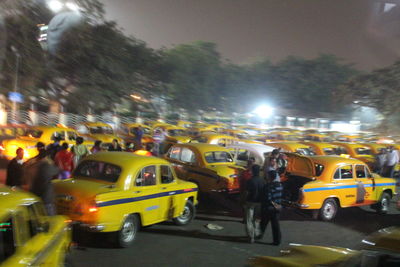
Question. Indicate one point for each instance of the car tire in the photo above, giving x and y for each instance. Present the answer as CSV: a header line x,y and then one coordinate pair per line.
x,y
127,235
187,215
328,210
382,207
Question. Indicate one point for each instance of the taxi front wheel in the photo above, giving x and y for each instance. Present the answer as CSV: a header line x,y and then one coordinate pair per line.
x,y
129,229
187,215
328,210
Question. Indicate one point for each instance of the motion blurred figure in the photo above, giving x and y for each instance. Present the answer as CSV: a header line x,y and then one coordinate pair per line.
x,y
79,150
15,170
64,160
97,147
115,146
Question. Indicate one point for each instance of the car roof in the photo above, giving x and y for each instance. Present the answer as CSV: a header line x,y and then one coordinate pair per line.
x,y
54,128
335,160
124,158
351,145
202,147
320,144
257,147
11,198
97,124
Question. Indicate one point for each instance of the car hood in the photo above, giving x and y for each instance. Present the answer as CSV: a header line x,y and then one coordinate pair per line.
x,y
300,165
303,255
225,170
81,188
387,239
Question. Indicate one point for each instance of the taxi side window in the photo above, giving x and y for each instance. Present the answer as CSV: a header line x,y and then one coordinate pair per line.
x,y
344,172
243,154
33,221
187,155
174,153
166,174
71,135
7,239
360,171
147,176
342,150
60,135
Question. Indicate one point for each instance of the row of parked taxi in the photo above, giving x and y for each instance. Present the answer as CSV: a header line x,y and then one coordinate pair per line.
x,y
117,192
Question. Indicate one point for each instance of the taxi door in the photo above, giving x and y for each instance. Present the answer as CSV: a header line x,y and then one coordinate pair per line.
x,y
345,185
34,237
173,156
146,192
365,185
168,191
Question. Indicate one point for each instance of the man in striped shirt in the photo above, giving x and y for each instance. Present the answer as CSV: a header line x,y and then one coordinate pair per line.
x,y
271,206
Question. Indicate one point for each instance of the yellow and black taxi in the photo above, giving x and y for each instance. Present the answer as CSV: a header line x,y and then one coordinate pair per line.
x,y
326,183
44,134
321,149
211,167
118,191
216,139
376,148
317,137
357,151
294,147
99,131
28,237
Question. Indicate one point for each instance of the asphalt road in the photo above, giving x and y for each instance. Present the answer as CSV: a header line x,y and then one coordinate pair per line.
x,y
194,245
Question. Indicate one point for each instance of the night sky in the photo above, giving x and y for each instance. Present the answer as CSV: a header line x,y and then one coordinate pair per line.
x,y
247,30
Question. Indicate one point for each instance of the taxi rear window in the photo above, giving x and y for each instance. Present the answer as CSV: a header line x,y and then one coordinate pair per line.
x,y
98,170
319,169
218,156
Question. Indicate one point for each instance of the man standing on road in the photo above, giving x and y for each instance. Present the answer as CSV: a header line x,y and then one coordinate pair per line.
x,y
271,206
392,158
253,196
15,170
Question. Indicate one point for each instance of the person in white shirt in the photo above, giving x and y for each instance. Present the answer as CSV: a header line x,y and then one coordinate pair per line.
x,y
392,158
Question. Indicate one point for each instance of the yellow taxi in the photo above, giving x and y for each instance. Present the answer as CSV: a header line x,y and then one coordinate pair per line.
x,y
99,131
241,136
216,139
211,167
348,138
293,147
118,192
280,137
376,148
315,137
174,135
319,148
387,239
128,132
357,151
44,134
185,124
28,236
325,183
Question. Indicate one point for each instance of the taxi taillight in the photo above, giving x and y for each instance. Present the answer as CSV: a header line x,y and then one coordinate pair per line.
x,y
93,209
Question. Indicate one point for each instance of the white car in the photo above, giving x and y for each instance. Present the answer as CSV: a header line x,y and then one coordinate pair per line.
x,y
244,151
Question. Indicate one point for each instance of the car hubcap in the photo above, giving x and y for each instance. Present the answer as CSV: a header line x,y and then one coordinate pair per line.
x,y
185,214
329,210
128,231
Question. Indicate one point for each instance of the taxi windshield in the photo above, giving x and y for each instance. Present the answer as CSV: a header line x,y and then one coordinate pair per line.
x,y
33,133
177,132
331,151
218,157
363,151
98,170
101,130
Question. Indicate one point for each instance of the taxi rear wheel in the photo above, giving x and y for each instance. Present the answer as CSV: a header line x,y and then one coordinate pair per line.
x,y
328,210
129,229
382,206
187,215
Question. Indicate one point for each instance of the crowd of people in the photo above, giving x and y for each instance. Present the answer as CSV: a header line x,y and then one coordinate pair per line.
x,y
386,161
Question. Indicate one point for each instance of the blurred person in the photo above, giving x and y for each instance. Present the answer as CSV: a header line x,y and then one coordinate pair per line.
x,y
15,169
64,160
253,196
115,146
271,207
380,160
271,165
97,147
244,176
79,150
130,147
137,139
159,138
146,151
54,147
392,159
41,184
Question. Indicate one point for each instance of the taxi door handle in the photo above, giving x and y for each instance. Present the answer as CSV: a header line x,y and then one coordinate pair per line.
x,y
137,192
163,188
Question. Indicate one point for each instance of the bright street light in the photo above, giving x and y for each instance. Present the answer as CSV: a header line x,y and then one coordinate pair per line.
x,y
55,5
72,6
264,111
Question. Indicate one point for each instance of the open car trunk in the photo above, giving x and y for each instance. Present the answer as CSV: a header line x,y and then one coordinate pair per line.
x,y
300,170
